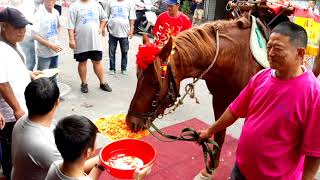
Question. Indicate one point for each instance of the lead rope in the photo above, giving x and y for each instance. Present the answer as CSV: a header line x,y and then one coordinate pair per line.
x,y
189,134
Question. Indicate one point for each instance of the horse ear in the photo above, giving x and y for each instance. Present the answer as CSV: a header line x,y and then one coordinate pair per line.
x,y
145,39
166,50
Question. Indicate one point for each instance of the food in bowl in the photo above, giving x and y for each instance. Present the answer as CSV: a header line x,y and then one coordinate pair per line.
x,y
122,161
140,153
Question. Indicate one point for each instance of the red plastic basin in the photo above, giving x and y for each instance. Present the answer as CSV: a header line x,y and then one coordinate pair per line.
x,y
130,147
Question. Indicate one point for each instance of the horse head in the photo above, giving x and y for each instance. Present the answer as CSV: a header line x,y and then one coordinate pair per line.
x,y
156,88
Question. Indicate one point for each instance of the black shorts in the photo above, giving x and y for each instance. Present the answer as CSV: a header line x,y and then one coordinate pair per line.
x,y
93,55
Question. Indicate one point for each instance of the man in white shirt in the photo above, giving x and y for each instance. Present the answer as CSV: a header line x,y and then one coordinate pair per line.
x,y
14,77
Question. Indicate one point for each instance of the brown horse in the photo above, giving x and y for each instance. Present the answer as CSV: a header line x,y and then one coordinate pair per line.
x,y
194,51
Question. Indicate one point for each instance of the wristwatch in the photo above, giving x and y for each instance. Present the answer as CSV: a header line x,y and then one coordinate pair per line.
x,y
100,167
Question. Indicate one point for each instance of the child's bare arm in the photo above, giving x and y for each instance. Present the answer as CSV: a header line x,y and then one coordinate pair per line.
x,y
47,43
96,172
89,164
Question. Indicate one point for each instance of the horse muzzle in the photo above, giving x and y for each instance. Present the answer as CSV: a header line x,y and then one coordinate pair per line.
x,y
135,123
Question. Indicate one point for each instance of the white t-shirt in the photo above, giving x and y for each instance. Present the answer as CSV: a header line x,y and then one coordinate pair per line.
x,y
14,71
46,25
119,14
33,150
58,3
84,18
54,173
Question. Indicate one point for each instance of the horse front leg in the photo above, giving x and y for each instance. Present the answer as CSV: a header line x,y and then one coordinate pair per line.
x,y
218,108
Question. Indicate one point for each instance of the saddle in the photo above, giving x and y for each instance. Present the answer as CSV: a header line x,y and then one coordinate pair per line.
x,y
258,42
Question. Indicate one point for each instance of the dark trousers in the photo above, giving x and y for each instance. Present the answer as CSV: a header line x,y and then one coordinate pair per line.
x,y
124,45
236,173
5,140
139,19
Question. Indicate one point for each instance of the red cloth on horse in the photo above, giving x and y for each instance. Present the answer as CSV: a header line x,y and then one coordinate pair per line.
x,y
183,160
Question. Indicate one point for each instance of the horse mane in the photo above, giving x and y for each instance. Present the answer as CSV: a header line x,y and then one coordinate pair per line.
x,y
201,41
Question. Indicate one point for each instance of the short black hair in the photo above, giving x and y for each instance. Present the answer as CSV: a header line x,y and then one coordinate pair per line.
x,y
41,95
297,34
73,135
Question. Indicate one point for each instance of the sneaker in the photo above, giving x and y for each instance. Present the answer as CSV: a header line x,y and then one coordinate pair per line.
x,y
84,88
105,87
112,72
203,175
124,72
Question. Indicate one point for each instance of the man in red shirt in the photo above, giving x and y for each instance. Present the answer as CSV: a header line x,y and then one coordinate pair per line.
x,y
170,23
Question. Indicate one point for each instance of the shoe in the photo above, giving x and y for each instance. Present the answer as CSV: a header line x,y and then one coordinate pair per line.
x,y
105,87
84,88
203,175
142,29
112,72
124,72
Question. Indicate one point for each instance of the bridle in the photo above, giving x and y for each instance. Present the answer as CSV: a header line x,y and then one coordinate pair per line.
x,y
157,102
187,134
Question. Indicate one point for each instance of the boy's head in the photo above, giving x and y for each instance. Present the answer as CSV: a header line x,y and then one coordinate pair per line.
x,y
173,7
75,137
49,4
42,96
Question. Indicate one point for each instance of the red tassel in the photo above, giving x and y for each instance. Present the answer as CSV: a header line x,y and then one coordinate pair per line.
x,y
146,55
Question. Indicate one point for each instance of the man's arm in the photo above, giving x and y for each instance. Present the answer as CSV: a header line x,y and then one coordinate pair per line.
x,y
72,42
222,123
311,166
8,95
2,121
131,28
102,28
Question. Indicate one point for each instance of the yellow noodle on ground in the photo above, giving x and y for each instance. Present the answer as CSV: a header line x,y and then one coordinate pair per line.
x,y
115,128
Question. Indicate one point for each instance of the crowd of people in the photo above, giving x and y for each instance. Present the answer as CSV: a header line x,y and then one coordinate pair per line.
x,y
279,135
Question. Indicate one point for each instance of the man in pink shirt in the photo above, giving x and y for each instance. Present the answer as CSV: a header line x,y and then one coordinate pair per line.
x,y
281,106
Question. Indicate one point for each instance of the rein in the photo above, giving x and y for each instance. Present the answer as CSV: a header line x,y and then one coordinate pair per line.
x,y
187,134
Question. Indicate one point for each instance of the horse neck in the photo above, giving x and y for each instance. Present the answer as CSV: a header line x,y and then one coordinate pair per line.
x,y
233,54
191,70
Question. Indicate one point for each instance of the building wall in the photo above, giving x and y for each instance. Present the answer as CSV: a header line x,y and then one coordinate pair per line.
x,y
210,9
215,9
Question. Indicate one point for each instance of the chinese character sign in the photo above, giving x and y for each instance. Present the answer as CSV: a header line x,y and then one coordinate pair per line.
x,y
311,23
